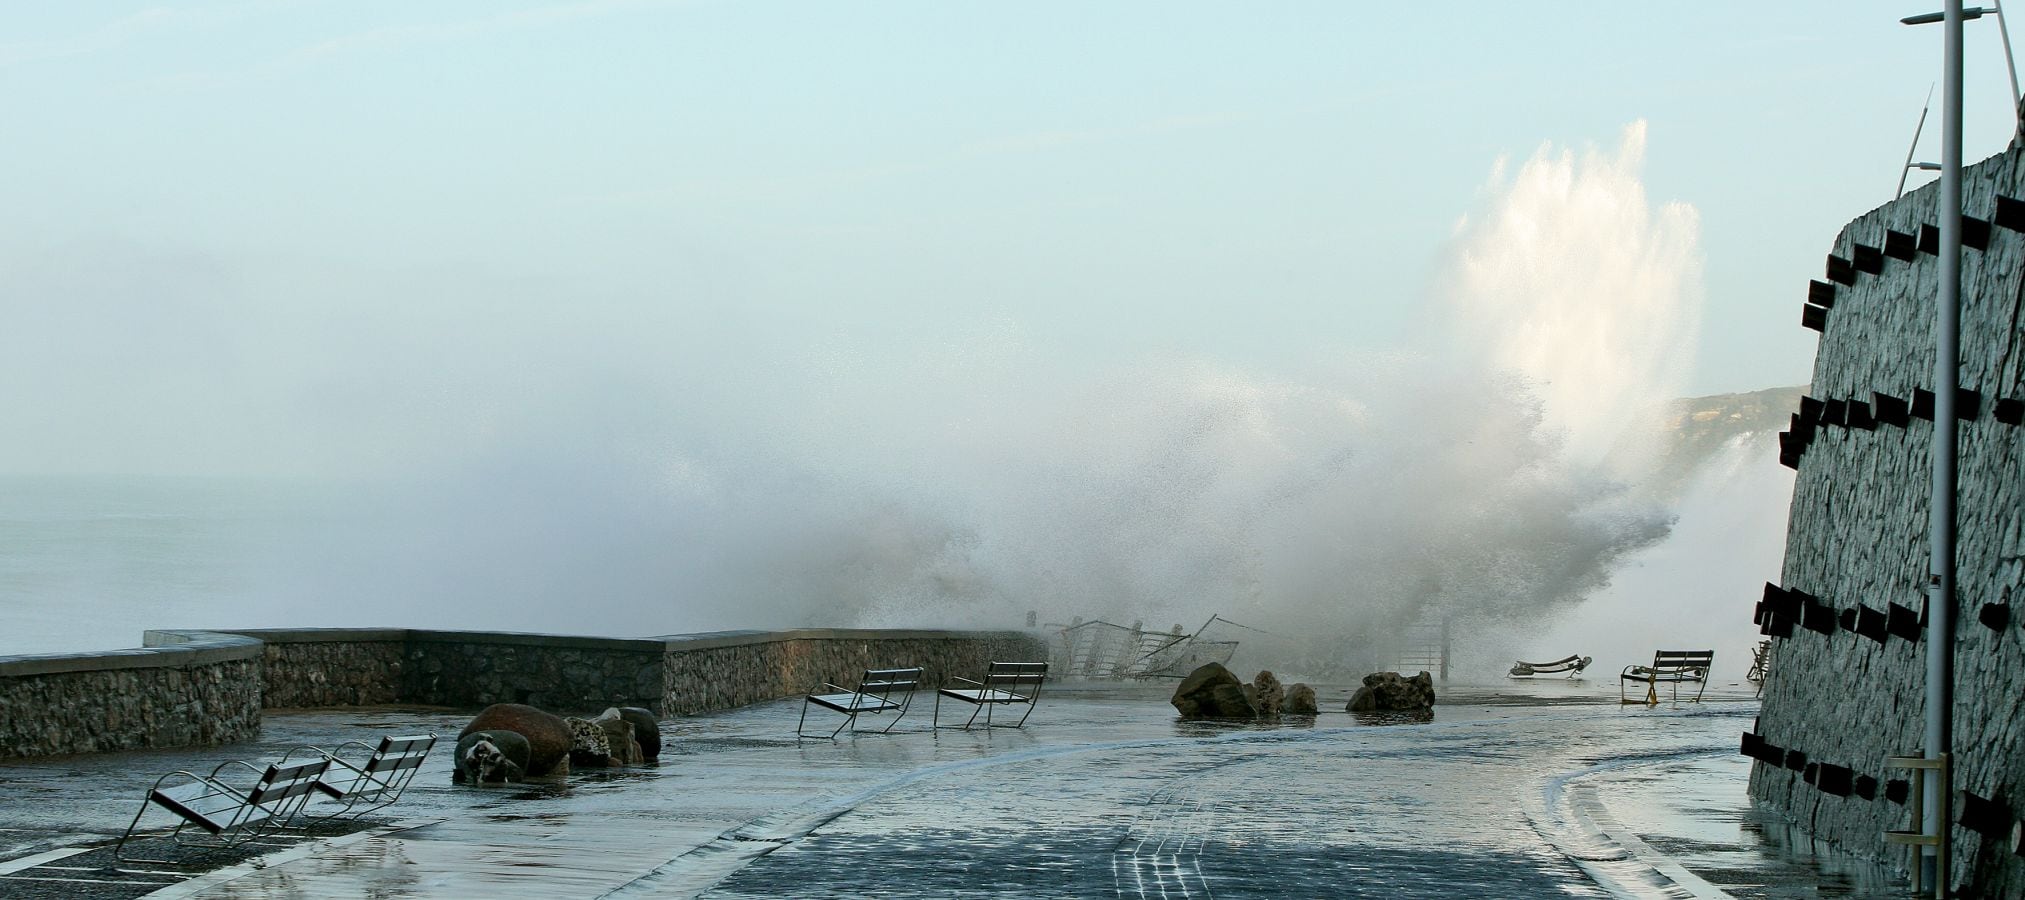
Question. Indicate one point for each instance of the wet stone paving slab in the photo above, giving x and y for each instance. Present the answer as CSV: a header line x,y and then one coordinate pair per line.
x,y
1533,790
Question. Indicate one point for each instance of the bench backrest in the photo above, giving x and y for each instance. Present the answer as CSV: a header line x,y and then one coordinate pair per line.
x,y
399,754
884,683
1022,678
285,781
1682,660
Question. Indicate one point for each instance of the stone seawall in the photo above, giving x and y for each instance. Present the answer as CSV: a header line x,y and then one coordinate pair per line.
x,y
199,690
319,667
194,688
1848,674
560,674
724,671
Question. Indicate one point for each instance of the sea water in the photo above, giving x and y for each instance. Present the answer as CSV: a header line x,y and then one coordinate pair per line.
x,y
89,562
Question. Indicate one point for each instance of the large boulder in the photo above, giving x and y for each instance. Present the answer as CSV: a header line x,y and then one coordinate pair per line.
x,y
548,736
1212,692
1300,701
1393,692
490,757
1267,694
646,730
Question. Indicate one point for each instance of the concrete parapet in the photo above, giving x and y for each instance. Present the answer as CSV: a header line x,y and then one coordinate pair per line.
x,y
189,688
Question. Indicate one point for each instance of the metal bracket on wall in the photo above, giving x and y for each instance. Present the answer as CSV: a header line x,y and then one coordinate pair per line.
x,y
1916,804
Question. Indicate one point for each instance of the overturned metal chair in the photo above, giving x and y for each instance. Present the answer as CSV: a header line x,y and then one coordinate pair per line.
x,y
1674,666
1572,666
375,781
232,816
880,691
1004,684
1761,665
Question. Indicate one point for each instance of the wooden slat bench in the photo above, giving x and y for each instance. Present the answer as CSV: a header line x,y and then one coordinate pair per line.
x,y
1572,666
879,691
1004,683
1672,666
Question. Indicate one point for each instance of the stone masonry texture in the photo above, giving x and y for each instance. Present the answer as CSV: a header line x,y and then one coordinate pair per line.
x,y
129,709
1858,535
202,688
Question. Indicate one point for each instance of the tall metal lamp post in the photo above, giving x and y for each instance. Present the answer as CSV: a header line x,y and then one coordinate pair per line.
x,y
1941,508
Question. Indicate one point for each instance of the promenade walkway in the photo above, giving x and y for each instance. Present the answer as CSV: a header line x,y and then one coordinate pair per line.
x,y
1533,790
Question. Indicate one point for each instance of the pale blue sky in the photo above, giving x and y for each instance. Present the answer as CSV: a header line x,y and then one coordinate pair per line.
x,y
1247,183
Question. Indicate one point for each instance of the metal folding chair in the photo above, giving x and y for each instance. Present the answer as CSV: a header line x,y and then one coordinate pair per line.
x,y
375,781
232,816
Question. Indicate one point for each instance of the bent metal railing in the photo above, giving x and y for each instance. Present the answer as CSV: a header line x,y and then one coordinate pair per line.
x,y
1104,650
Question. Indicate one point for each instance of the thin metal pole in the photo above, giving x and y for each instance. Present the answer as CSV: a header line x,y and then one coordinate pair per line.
x,y
2004,29
1941,524
1444,647
1909,151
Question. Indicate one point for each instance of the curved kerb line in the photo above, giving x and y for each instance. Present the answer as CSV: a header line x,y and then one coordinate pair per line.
x,y
702,868
1585,832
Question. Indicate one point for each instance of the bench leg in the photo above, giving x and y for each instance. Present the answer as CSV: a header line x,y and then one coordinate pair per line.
x,y
897,717
117,848
175,837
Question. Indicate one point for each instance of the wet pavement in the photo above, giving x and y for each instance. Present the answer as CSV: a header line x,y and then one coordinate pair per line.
x,y
1533,789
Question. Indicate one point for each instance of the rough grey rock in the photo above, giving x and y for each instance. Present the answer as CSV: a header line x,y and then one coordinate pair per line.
x,y
624,746
588,745
490,757
1391,692
1267,694
646,730
1300,701
1212,692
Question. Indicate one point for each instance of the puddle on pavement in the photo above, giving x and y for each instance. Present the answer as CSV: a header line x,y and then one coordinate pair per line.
x,y
1104,793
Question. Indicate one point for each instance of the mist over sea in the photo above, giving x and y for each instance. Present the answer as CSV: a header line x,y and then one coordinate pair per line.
x,y
465,461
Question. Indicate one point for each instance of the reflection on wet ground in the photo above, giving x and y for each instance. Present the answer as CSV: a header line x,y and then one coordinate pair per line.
x,y
1543,789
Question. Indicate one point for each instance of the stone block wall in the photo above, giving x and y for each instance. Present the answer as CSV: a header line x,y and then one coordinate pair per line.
x,y
564,675
1850,690
322,667
192,693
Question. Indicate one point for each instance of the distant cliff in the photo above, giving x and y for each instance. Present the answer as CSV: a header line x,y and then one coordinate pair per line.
x,y
1694,430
